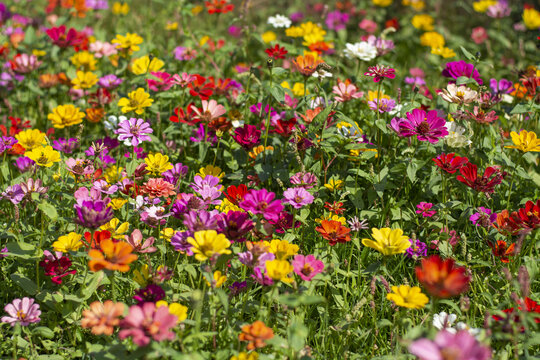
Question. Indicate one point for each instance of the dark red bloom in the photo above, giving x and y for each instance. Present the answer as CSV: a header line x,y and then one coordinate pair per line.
x,y
276,52
491,178
502,250
284,222
528,306
150,293
218,6
62,39
56,265
285,127
200,88
393,22
189,116
442,278
247,136
235,194
449,162
529,216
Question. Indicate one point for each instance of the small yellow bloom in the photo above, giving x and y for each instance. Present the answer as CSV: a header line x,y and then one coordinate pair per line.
x,y
197,9
69,242
44,156
259,150
252,355
167,234
268,36
294,31
65,115
204,40
415,4
482,5
219,279
136,101
117,203
38,52
531,18
388,241
142,276
84,60
84,80
422,22
432,39
409,297
176,309
298,89
382,3
334,217
31,138
444,52
282,249
157,163
334,185
119,8
171,25
211,170
374,95
208,243
144,65
526,141
227,206
116,229
279,270
114,174
130,42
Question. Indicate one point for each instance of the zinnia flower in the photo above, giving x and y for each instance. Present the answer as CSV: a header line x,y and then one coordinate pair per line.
x,y
307,266
56,266
450,162
442,278
262,202
525,141
424,209
134,131
379,72
460,345
388,241
427,126
334,232
157,163
136,101
102,318
256,334
298,197
460,68
147,322
307,64
208,244
22,311
409,297
65,115
112,256
486,183
43,156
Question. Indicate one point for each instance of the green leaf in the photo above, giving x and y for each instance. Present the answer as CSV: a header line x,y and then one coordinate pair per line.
x,y
468,54
48,210
278,71
297,333
44,332
91,285
520,109
25,283
278,93
22,250
411,171
4,168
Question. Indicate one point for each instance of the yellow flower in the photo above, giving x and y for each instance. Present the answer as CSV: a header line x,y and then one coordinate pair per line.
x,y
227,206
334,185
415,4
526,141
208,243
211,170
144,65
130,42
259,150
246,356
482,5
119,8
142,276
176,309
84,80
114,174
279,270
294,31
312,33
268,36
65,115
117,203
432,39
136,101
531,18
444,52
84,60
298,89
218,280
422,22
167,234
197,9
334,217
31,139
44,156
382,3
388,241
69,242
38,52
409,297
116,229
171,25
374,95
157,163
281,248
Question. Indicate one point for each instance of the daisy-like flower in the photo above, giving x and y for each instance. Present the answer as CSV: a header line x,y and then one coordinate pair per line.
x,y
145,322
486,183
65,115
427,126
298,197
157,163
262,202
334,232
134,131
208,243
136,101
442,278
379,72
360,50
112,256
183,79
279,21
460,345
44,156
444,321
307,266
456,135
388,241
22,311
276,52
450,162
525,141
409,297
129,42
31,138
307,64
424,209
346,91
458,94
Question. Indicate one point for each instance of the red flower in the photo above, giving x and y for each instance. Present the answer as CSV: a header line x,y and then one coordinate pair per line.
x,y
529,216
56,266
379,72
486,183
449,162
185,117
218,6
199,87
62,39
335,207
505,224
276,52
502,250
442,278
236,194
334,232
94,241
529,306
393,22
285,128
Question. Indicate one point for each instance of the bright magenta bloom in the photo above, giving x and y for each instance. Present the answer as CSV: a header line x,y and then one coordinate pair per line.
x,y
307,266
427,126
379,72
145,322
262,202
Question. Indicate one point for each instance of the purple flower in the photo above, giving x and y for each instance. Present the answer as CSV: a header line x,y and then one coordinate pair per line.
x,y
296,16
200,135
416,81
395,125
385,105
427,126
305,180
484,217
24,164
67,146
179,241
185,202
13,193
460,345
423,208
176,173
104,187
6,143
284,222
234,225
383,46
154,215
502,86
135,131
237,288
262,202
93,213
182,53
456,69
110,82
235,31
22,311
298,197
336,20
260,277
417,249
200,220
5,14
151,293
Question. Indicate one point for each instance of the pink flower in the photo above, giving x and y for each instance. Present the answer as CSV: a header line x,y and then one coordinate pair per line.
x,y
262,202
184,79
423,208
145,322
460,345
346,92
210,110
136,241
368,26
102,49
427,126
22,311
298,197
307,266
162,81
479,35
379,72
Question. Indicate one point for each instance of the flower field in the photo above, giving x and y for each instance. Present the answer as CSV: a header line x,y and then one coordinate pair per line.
x,y
262,179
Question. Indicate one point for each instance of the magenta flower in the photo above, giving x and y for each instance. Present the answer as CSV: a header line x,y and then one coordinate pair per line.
x,y
151,293
307,266
298,197
379,72
427,126
423,208
145,322
416,250
110,81
460,345
395,126
262,202
235,225
22,311
161,81
134,130
460,68
13,193
385,105
336,20
247,136
484,217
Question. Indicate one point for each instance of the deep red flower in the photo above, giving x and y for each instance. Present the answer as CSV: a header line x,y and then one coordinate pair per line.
x,y
442,278
276,52
334,232
529,216
189,116
247,136
449,162
285,127
491,178
218,6
393,22
93,241
200,88
528,305
63,39
502,250
235,194
56,265
335,207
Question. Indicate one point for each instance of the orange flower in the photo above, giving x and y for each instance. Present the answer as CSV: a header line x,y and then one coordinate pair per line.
x,y
334,232
307,64
505,224
502,250
95,114
442,278
310,114
113,256
256,333
102,318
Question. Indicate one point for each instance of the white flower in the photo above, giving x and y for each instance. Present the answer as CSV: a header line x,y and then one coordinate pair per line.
x,y
361,50
237,123
322,74
458,94
456,137
507,98
444,321
462,326
279,21
317,102
396,110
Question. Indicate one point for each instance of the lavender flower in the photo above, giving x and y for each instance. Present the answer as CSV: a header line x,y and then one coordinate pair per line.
x,y
357,225
14,194
417,249
134,131
305,180
201,220
336,20
110,81
22,311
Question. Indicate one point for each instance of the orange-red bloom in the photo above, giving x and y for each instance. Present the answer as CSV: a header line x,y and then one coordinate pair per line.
x,y
256,334
307,64
502,250
113,256
334,232
442,278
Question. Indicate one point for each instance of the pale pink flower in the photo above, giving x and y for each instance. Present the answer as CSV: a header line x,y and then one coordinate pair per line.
x,y
346,92
183,80
210,110
102,49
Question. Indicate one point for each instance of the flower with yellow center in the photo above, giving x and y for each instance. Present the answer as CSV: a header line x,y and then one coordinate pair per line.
x,y
114,174
142,276
268,37
136,101
176,309
157,163
167,234
432,39
31,138
128,43
382,3
388,241
252,355
281,248
482,5
69,242
279,270
84,60
119,8
227,206
526,141
84,80
117,203
334,184
65,115
218,279
531,18
116,229
144,65
43,156
409,297
422,22
443,51
208,243
374,95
